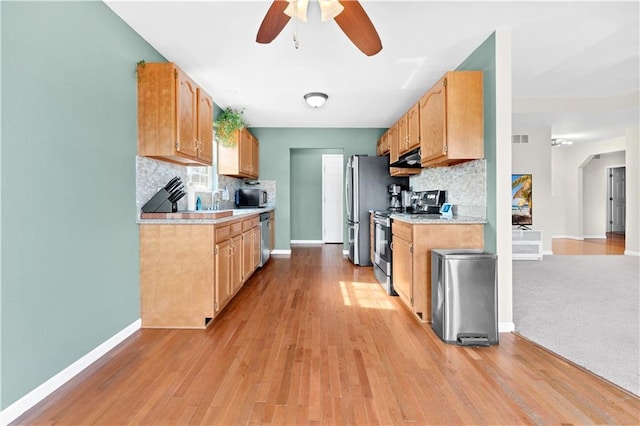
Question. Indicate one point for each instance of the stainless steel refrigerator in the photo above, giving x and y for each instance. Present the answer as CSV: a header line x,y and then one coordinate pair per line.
x,y
366,188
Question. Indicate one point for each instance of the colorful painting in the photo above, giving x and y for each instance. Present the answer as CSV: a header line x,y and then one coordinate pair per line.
x,y
521,200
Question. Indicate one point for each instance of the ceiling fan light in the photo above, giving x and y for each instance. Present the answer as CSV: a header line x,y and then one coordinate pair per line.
x,y
297,9
315,99
330,9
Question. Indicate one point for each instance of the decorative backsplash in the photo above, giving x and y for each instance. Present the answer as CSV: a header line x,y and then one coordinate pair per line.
x,y
466,186
151,175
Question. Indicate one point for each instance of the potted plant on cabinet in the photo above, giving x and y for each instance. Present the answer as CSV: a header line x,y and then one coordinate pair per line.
x,y
226,125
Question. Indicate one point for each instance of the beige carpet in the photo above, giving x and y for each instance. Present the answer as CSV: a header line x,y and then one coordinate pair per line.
x,y
584,308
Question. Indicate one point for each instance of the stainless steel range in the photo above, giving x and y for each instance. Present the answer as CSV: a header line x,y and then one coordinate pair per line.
x,y
382,260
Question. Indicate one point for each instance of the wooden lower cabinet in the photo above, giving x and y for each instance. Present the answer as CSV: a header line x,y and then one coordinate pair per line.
x,y
190,272
222,283
176,275
412,245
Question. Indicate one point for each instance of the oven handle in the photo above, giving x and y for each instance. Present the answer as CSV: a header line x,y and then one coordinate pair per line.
x,y
382,221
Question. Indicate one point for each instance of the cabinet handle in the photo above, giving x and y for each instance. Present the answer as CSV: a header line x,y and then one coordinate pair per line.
x,y
391,245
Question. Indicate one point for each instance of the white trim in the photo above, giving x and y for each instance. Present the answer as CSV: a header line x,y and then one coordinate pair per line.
x,y
547,253
631,253
345,252
19,407
603,237
306,242
571,237
506,327
277,252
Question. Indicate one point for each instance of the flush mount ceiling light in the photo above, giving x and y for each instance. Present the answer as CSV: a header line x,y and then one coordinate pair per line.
x,y
315,99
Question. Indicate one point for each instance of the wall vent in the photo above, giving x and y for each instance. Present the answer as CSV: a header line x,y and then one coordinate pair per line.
x,y
520,139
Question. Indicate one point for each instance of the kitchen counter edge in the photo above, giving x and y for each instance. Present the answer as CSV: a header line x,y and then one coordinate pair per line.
x,y
417,219
250,212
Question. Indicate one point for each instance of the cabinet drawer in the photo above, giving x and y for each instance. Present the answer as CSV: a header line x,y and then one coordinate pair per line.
x,y
223,232
236,228
402,230
250,223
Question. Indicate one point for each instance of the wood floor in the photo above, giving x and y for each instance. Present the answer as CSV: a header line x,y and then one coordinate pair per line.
x,y
311,339
613,244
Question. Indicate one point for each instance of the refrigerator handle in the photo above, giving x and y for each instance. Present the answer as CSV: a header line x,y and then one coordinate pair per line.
x,y
347,196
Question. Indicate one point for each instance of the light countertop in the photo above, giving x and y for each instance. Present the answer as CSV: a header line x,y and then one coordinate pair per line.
x,y
237,214
436,219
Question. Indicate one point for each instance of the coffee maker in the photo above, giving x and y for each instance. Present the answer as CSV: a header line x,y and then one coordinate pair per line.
x,y
395,204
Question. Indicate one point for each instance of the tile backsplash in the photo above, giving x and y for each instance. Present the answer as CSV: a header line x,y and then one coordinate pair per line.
x,y
466,186
152,175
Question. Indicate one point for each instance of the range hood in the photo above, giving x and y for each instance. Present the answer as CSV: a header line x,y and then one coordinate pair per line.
x,y
409,160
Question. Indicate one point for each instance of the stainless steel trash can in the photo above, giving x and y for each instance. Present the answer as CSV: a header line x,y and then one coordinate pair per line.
x,y
464,296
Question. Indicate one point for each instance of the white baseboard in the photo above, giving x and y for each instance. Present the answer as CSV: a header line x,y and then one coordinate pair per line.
x,y
19,407
547,252
345,252
603,237
506,327
293,242
281,252
571,237
631,253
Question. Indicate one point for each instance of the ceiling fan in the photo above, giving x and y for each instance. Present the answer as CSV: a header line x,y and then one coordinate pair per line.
x,y
348,14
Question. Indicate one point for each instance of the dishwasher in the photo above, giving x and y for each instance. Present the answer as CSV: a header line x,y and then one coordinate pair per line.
x,y
464,296
265,238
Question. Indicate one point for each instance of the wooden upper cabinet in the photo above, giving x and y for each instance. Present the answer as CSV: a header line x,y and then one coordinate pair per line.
x,y
175,116
205,127
413,127
242,159
382,148
187,120
452,120
394,154
403,135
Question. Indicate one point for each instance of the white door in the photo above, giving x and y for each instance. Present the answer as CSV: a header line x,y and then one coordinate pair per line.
x,y
617,199
332,195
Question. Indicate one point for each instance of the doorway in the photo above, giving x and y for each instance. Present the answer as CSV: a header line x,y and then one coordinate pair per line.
x,y
332,196
616,204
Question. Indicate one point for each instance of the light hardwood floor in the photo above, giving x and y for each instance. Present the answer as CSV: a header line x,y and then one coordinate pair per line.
x,y
613,244
311,339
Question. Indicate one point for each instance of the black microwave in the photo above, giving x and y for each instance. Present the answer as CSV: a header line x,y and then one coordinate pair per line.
x,y
251,197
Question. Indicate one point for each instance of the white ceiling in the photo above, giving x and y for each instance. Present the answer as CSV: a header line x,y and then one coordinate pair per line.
x,y
575,64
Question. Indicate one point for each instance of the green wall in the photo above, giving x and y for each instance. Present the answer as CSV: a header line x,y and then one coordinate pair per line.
x,y
306,192
69,239
275,162
484,58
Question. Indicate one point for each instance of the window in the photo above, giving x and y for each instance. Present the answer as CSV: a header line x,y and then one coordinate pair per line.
x,y
204,178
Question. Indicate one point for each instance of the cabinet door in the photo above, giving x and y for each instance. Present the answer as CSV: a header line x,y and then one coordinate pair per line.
x,y
205,127
236,263
245,153
272,231
403,135
433,141
257,252
413,127
394,147
247,253
254,167
186,108
402,269
223,253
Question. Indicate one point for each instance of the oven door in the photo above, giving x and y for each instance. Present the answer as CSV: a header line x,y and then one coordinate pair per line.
x,y
382,241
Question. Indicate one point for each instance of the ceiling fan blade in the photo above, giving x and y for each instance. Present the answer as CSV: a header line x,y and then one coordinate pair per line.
x,y
273,23
355,23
